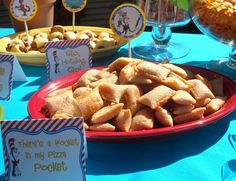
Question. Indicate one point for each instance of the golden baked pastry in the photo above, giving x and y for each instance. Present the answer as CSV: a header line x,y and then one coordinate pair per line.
x,y
161,95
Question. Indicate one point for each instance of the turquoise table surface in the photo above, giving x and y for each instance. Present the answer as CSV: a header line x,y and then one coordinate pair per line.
x,y
198,155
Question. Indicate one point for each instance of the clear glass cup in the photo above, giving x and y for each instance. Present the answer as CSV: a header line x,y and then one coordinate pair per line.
x,y
217,19
162,15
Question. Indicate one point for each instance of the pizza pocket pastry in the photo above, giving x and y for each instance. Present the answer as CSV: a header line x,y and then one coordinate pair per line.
x,y
175,83
153,71
68,108
112,93
87,78
86,105
195,114
199,90
80,91
131,95
142,120
214,105
163,117
178,70
123,120
204,80
55,99
104,127
104,73
183,97
112,78
129,74
139,79
157,97
202,102
121,62
106,113
181,108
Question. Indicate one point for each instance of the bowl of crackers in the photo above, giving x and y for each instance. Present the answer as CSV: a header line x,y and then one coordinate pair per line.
x,y
216,18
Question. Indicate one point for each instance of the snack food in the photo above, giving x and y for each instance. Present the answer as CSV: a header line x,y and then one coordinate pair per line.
x,y
217,16
35,43
131,107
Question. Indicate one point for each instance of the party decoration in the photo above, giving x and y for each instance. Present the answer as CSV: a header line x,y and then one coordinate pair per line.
x,y
74,6
128,21
23,10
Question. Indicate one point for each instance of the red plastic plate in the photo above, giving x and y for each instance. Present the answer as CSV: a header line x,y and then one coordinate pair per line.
x,y
37,101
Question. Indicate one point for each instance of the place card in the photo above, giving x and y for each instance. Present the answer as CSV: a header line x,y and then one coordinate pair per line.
x,y
6,76
44,149
66,57
10,70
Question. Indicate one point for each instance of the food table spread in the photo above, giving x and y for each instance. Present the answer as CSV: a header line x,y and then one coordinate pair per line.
x,y
196,155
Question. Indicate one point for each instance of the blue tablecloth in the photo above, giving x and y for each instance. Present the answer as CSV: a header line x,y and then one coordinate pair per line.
x,y
198,155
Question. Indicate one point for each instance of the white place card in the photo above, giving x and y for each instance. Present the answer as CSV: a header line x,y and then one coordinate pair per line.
x,y
10,70
44,149
66,57
6,76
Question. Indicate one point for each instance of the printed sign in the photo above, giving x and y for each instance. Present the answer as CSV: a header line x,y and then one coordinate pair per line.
x,y
128,21
49,149
6,76
65,57
23,10
74,5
